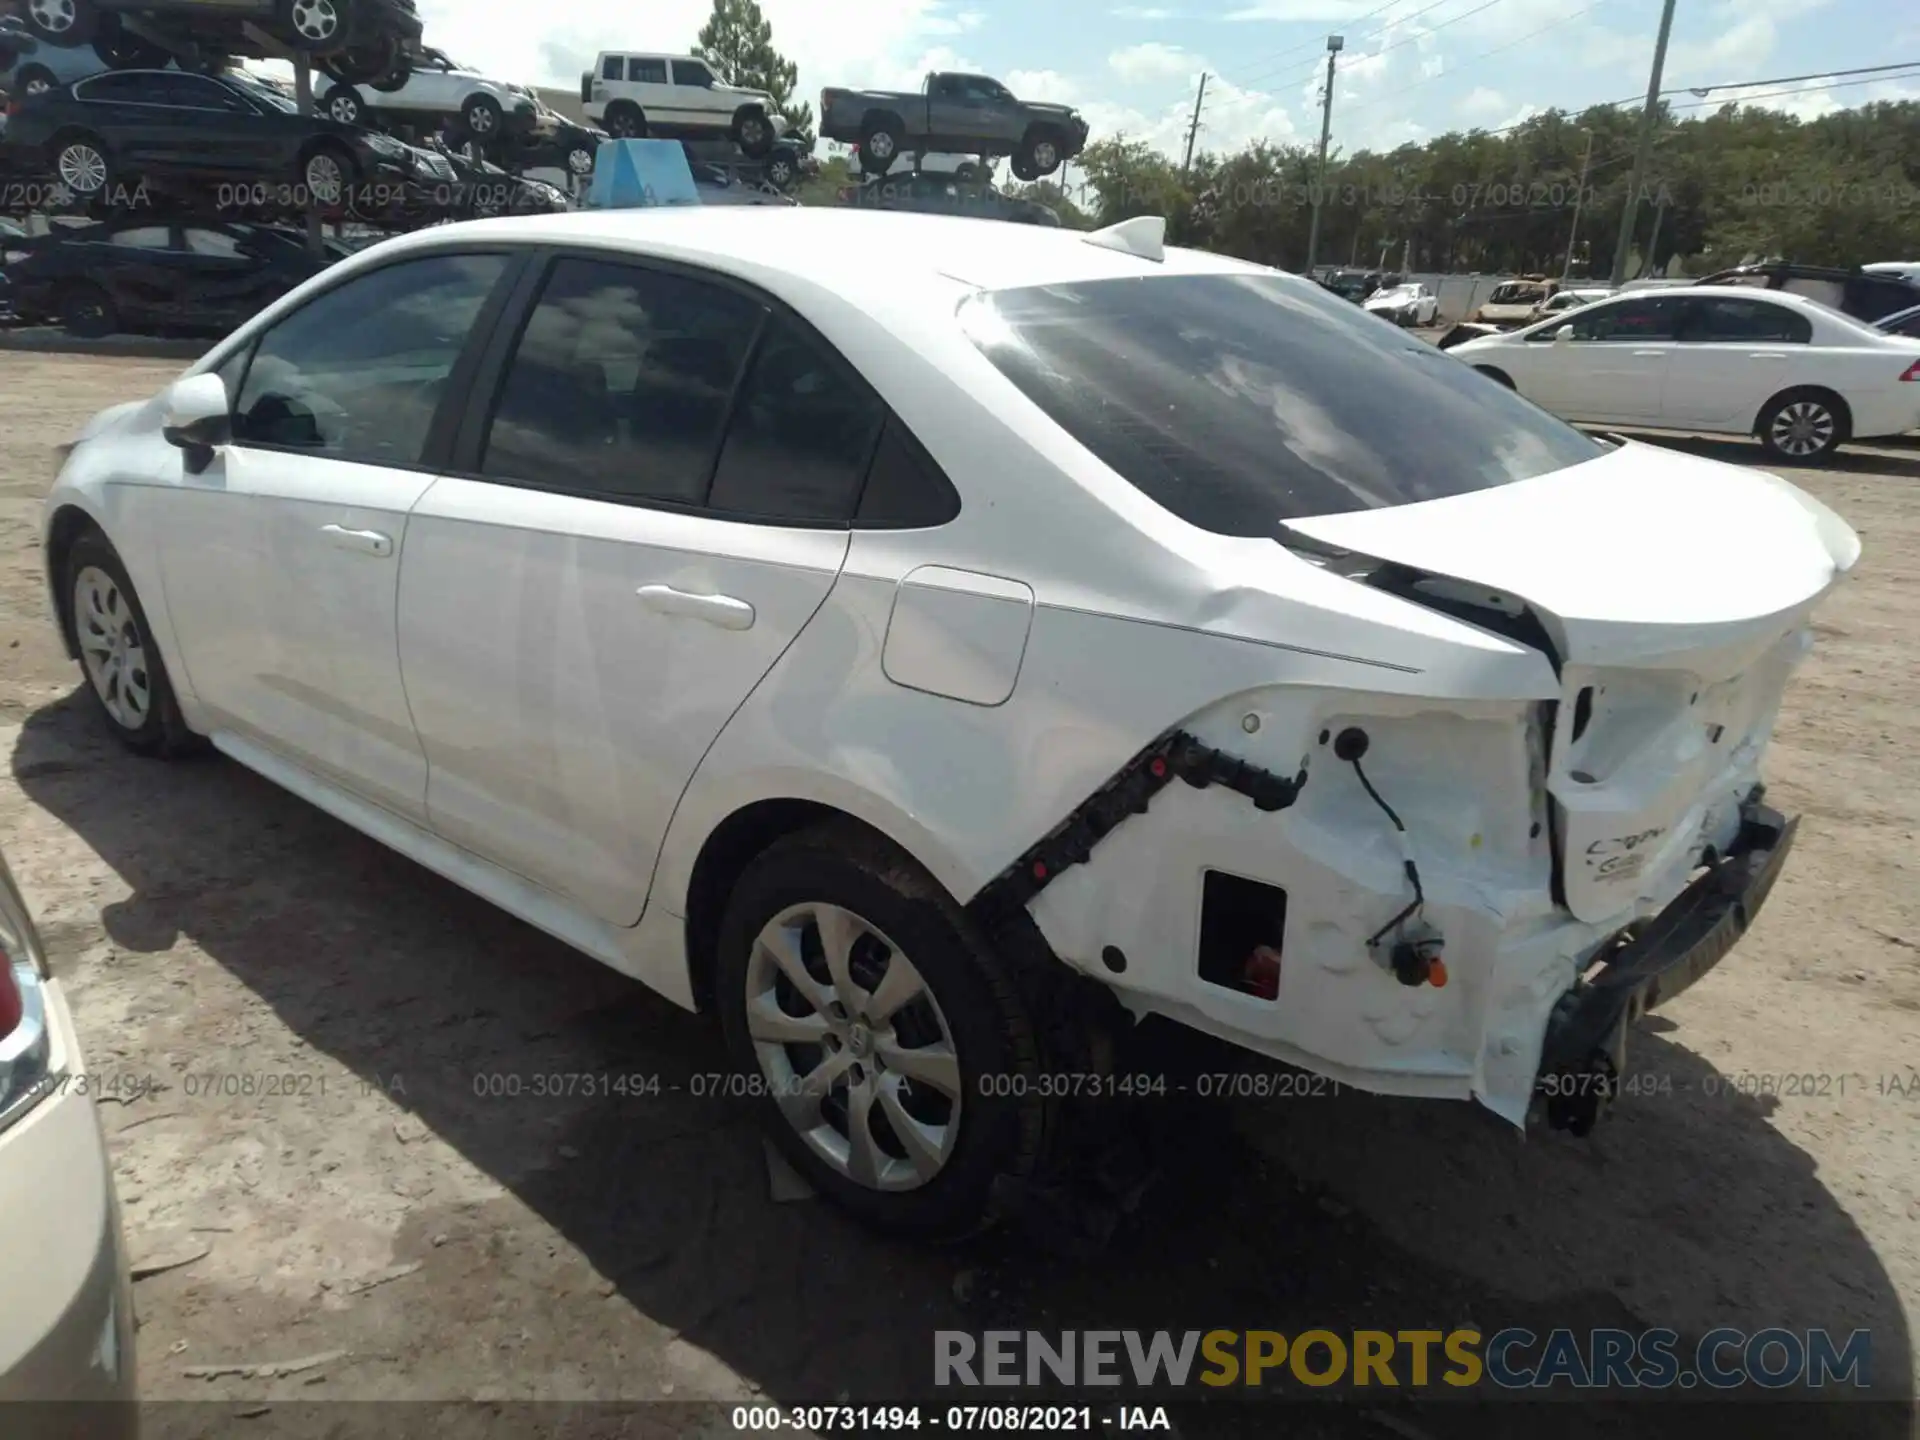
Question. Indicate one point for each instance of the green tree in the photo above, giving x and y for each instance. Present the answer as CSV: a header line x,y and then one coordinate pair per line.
x,y
737,41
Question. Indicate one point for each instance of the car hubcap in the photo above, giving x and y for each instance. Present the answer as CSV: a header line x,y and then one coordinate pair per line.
x,y
780,173
324,178
1043,155
83,169
56,17
110,645
315,19
752,132
346,110
880,146
580,161
853,1047
481,120
1803,428
37,86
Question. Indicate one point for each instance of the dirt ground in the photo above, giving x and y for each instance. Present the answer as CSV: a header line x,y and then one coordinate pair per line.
x,y
440,1240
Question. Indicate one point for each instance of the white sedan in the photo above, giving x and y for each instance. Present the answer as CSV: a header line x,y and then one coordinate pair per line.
x,y
930,678
1714,359
1409,304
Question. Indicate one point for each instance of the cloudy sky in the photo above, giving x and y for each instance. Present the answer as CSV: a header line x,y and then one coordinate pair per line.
x,y
1411,69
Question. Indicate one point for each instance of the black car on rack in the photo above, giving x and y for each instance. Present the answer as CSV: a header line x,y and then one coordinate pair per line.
x,y
364,41
220,144
147,274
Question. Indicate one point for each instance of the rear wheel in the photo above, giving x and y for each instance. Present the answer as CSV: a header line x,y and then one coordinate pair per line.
x,y
880,1031
1803,427
580,161
318,26
62,23
342,103
753,133
1040,152
482,116
33,79
120,49
125,674
328,174
780,171
879,147
87,311
626,121
80,163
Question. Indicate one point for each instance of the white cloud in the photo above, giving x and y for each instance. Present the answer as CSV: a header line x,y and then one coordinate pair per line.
x,y
1144,12
1152,61
1482,103
1291,11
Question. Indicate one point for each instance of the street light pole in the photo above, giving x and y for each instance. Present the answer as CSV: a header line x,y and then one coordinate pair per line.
x,y
1334,42
1642,146
1578,196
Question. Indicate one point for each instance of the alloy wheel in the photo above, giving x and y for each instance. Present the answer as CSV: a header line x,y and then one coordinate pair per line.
x,y
580,161
325,179
53,17
83,169
780,172
752,131
880,145
315,21
111,648
345,109
1806,427
481,120
853,1047
37,86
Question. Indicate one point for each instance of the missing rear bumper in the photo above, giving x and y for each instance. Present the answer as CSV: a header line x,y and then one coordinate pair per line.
x,y
1583,1056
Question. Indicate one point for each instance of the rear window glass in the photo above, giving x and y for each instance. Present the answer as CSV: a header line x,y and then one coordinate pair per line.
x,y
1239,402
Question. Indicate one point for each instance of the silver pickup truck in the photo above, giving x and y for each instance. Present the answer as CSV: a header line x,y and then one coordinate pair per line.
x,y
953,114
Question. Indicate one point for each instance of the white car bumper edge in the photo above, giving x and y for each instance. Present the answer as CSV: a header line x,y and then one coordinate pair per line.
x,y
66,1329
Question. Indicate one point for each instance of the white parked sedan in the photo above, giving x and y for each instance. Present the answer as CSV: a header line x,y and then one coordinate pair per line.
x,y
904,672
1409,304
1714,359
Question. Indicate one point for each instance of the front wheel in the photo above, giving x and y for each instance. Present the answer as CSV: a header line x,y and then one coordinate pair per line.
x,y
1040,153
482,117
1802,427
879,148
62,23
328,175
125,674
317,26
81,164
580,161
891,1055
342,103
780,171
626,122
753,133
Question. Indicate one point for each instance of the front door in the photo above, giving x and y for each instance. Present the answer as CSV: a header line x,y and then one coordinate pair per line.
x,y
281,560
618,565
1617,358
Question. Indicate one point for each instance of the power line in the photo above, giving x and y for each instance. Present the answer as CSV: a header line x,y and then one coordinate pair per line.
x,y
1802,90
1571,15
1393,24
1316,41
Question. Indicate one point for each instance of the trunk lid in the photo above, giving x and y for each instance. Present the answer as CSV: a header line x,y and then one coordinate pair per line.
x,y
1676,592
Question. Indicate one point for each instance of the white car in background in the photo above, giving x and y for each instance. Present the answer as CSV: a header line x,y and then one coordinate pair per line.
x,y
1717,359
438,89
1408,304
1562,301
829,657
66,1329
676,97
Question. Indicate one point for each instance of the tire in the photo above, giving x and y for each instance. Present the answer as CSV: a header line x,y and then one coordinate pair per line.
x,y
1803,427
87,312
118,654
63,24
120,49
780,170
964,1025
395,77
880,146
1499,377
328,173
580,161
1023,169
34,79
82,164
482,117
342,103
970,174
753,133
319,27
1040,152
626,121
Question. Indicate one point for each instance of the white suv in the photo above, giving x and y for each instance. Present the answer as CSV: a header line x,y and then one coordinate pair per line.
x,y
438,88
677,97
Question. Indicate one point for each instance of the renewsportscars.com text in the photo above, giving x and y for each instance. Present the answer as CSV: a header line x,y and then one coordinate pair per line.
x,y
1508,1359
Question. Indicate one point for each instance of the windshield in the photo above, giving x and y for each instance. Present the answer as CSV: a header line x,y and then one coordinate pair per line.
x,y
264,93
1398,292
1239,402
1516,294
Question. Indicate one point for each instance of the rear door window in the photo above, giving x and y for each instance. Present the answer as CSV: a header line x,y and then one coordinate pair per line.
x,y
1739,320
1242,401
647,72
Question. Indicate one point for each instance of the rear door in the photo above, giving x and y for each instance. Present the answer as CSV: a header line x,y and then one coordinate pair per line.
x,y
651,499
1732,353
231,275
142,272
650,89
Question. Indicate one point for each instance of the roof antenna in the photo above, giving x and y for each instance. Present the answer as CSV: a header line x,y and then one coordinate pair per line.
x,y
1144,235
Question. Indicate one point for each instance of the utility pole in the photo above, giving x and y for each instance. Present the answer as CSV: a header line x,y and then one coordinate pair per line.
x,y
1653,245
1193,130
1642,146
1579,195
1334,42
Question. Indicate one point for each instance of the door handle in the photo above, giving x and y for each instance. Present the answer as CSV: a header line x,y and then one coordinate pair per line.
x,y
722,610
367,542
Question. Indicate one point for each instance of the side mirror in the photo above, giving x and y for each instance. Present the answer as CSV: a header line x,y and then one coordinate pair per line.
x,y
1562,334
197,416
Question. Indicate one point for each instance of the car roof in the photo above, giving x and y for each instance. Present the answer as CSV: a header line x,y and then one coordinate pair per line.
x,y
841,248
